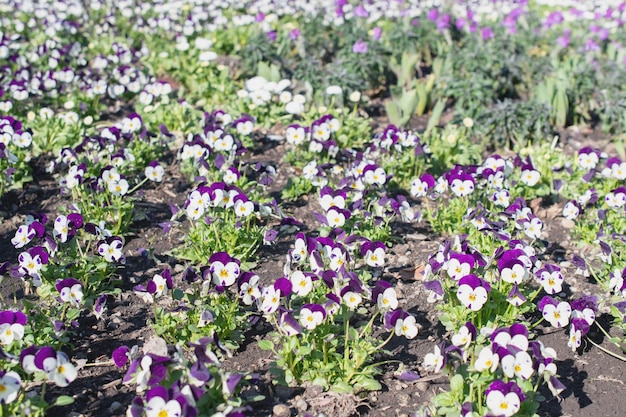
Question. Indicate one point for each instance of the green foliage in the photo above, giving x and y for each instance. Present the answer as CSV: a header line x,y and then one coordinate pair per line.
x,y
223,234
296,187
513,124
324,356
198,312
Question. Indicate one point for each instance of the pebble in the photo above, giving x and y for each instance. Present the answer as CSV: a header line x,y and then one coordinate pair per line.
x,y
415,236
302,405
402,260
281,410
568,224
422,386
156,346
115,406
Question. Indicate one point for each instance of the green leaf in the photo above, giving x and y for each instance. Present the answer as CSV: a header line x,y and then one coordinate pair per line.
x,y
445,399
369,384
178,294
456,384
63,400
436,114
341,387
266,345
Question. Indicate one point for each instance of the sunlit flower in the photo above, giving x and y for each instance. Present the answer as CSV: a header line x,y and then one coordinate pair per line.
x,y
11,326
472,292
434,361
406,327
532,228
504,399
10,384
302,283
111,249
487,360
374,254
224,269
157,406
519,365
571,210
154,172
249,290
312,315
387,300
70,291
530,177
269,300
23,236
352,299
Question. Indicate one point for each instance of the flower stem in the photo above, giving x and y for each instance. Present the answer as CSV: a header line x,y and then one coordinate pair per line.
x,y
605,350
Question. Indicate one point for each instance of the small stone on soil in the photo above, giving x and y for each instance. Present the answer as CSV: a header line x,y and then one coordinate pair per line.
x,y
281,410
156,346
302,405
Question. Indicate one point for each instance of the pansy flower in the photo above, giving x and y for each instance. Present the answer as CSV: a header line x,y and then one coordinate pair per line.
x,y
11,326
530,176
10,384
421,185
224,269
100,306
512,266
556,313
519,364
616,198
385,296
459,265
374,253
336,217
461,184
588,158
571,210
504,398
288,323
464,336
332,198
351,298
312,315
23,236
31,262
269,300
532,226
434,361
406,327
302,283
617,168
243,207
296,134
56,365
65,226
487,360
154,171
516,336
160,283
373,174
550,278
159,405
111,249
70,291
147,372
472,292
249,290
